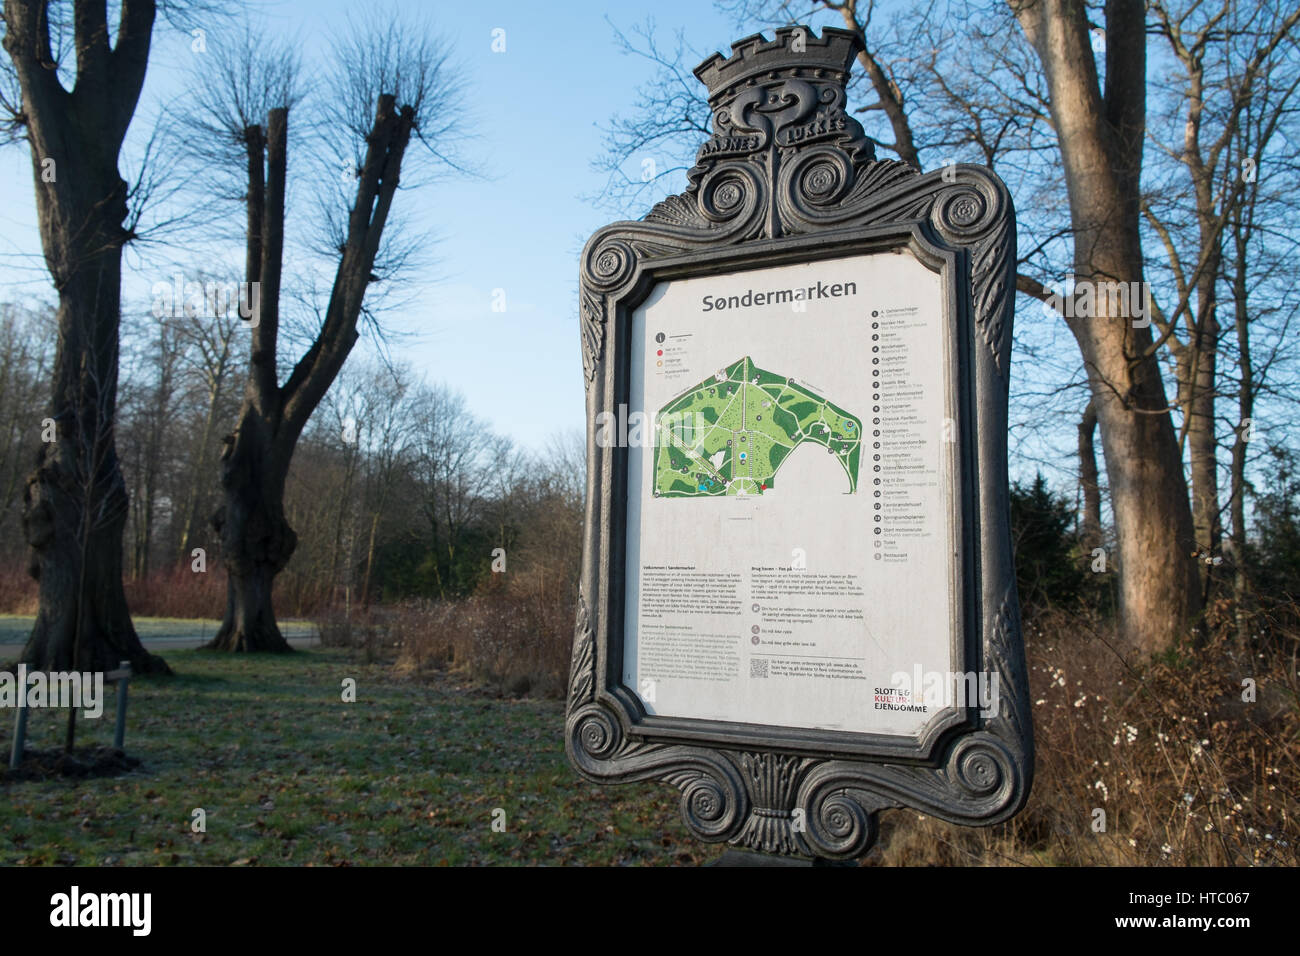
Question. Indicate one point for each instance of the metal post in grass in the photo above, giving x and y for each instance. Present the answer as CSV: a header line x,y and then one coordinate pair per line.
x,y
20,734
123,677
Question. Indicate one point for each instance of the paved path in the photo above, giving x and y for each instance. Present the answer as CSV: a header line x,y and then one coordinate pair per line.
x,y
157,633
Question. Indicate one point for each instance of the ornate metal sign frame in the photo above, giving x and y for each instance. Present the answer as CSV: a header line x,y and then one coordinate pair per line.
x,y
789,176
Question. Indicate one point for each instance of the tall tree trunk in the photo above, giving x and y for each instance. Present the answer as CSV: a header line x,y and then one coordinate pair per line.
x,y
1090,530
340,516
197,474
1203,448
1159,593
1202,445
370,559
1101,140
75,500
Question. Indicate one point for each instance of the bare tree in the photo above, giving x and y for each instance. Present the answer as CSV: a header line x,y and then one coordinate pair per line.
x,y
25,354
453,449
388,431
75,501
392,83
148,413
1223,55
1261,247
505,485
1100,118
211,340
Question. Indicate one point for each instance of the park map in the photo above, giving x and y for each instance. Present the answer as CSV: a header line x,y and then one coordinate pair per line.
x,y
729,434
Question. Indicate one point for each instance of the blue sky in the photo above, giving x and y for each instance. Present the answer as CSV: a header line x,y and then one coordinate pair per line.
x,y
535,114
536,111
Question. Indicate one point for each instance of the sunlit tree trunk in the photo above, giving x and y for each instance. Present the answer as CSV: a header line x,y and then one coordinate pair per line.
x,y
1101,140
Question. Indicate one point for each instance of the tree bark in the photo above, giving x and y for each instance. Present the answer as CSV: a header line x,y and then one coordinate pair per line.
x,y
75,500
256,538
1201,383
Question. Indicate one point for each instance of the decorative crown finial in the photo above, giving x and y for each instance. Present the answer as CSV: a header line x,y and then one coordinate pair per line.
x,y
797,50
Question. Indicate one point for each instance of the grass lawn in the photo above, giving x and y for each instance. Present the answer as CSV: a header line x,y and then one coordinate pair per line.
x,y
289,774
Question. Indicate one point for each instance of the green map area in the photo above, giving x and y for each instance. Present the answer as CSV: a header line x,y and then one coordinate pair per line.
x,y
730,433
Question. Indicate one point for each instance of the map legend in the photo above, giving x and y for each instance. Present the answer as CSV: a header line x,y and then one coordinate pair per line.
x,y
905,432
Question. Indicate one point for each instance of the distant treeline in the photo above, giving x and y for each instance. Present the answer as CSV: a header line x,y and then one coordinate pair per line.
x,y
397,489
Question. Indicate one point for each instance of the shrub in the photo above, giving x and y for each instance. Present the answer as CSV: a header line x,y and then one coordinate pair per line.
x,y
512,636
1186,771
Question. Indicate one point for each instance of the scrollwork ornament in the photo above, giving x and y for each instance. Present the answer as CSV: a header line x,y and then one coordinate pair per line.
x,y
708,807
983,769
821,182
610,264
838,825
583,665
965,211
978,771
813,184
596,732
714,801
731,191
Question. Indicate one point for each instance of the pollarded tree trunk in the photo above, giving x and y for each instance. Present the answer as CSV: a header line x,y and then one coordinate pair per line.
x,y
256,539
75,501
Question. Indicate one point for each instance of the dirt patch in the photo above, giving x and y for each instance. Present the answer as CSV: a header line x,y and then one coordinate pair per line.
x,y
91,762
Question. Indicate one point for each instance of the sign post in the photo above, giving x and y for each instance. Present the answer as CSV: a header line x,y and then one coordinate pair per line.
x,y
797,600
